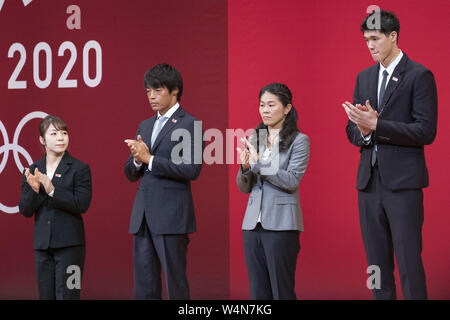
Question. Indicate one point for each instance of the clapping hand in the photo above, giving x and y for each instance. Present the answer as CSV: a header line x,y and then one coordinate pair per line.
x,y
139,150
46,182
33,180
363,116
248,154
245,158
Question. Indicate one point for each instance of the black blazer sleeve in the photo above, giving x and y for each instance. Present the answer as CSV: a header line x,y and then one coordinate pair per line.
x,y
78,200
131,172
30,201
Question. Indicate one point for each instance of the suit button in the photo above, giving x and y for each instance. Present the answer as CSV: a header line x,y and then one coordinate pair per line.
x,y
48,222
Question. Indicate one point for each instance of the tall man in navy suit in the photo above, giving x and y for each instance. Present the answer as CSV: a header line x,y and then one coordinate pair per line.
x,y
392,118
163,210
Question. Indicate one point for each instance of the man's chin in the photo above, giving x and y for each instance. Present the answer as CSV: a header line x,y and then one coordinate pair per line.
x,y
376,58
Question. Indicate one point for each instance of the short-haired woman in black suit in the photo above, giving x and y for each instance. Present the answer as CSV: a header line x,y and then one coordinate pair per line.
x,y
57,189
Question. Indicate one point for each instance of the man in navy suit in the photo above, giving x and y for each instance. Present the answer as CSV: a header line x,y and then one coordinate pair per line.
x,y
163,210
392,118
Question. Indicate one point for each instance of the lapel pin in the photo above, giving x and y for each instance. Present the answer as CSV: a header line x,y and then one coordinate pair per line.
x,y
57,175
394,78
174,120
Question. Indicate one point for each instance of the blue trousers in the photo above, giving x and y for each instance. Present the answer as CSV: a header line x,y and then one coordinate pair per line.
x,y
153,252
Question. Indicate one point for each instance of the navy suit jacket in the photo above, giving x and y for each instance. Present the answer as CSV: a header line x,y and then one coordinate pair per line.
x,y
57,220
407,122
164,195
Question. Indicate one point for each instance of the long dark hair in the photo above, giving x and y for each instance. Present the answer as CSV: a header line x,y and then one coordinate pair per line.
x,y
289,130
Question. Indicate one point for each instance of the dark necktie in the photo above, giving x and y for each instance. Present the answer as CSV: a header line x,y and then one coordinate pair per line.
x,y
380,108
382,90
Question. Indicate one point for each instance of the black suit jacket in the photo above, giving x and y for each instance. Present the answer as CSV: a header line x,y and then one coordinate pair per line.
x,y
57,220
407,122
164,194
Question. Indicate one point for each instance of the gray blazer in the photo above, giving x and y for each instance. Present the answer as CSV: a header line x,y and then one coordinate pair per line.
x,y
275,195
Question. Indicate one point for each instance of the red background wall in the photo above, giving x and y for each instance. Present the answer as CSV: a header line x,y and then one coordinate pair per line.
x,y
226,51
316,48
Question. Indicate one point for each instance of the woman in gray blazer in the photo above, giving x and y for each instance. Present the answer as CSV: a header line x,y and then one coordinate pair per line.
x,y
273,163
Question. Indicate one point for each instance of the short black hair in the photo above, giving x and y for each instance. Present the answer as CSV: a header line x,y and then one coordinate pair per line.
x,y
388,23
56,121
280,90
164,75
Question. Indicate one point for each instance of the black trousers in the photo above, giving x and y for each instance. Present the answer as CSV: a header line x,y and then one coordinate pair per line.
x,y
51,267
391,223
151,251
271,259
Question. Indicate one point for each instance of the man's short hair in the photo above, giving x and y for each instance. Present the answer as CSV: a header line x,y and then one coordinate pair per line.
x,y
388,23
164,75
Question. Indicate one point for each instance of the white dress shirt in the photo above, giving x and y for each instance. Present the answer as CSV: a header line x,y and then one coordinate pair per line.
x,y
390,69
50,174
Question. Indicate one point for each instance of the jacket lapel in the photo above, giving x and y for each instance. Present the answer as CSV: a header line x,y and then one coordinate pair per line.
x,y
394,81
63,166
147,135
168,127
41,165
373,88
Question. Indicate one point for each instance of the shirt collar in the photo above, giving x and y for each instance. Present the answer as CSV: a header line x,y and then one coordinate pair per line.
x,y
391,67
170,112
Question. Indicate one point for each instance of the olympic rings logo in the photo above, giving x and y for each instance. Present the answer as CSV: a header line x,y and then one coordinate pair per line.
x,y
16,149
